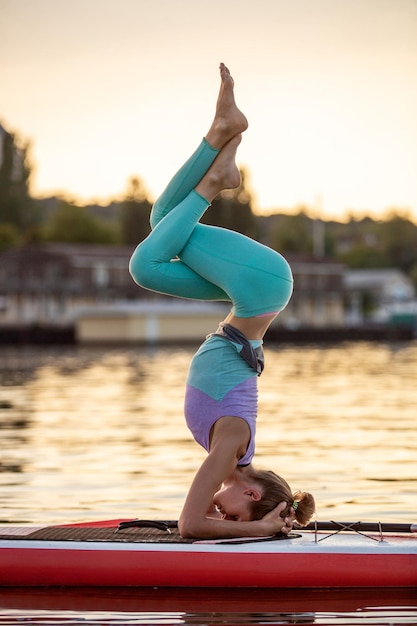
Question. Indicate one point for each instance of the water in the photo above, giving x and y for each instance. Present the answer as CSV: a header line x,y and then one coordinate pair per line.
x,y
198,607
99,433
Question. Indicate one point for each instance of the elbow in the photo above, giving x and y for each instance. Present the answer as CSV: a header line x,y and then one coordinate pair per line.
x,y
187,529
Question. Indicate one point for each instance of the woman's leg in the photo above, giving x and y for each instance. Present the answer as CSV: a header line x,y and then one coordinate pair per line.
x,y
257,279
214,263
227,123
184,181
153,264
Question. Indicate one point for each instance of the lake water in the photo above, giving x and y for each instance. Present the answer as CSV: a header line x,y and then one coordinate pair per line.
x,y
99,433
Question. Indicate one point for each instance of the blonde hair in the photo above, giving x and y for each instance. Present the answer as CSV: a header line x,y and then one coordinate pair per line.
x,y
275,490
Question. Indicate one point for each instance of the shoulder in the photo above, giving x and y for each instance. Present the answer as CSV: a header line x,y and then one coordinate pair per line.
x,y
230,435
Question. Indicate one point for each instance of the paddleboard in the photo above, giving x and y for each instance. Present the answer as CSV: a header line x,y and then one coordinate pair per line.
x,y
149,553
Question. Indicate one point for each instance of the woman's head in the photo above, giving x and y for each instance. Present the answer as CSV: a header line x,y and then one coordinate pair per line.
x,y
235,498
274,490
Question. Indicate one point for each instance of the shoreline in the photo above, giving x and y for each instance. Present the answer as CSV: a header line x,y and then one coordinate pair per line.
x,y
66,335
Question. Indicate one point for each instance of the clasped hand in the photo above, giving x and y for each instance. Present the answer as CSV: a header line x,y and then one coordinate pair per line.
x,y
276,523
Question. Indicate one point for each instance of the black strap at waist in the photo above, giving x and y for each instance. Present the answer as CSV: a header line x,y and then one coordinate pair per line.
x,y
253,356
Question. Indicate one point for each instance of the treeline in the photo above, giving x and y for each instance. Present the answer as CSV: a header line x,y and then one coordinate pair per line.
x,y
359,243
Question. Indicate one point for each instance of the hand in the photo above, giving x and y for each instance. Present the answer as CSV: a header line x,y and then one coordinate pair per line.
x,y
276,523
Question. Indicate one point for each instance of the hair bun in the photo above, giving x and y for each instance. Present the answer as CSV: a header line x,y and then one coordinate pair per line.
x,y
305,507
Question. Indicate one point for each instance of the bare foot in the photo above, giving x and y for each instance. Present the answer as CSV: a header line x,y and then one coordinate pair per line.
x,y
228,120
223,174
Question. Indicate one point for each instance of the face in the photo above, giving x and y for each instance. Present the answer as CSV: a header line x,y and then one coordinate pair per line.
x,y
233,501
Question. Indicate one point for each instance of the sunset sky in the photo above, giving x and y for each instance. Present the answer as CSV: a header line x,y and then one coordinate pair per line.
x,y
107,89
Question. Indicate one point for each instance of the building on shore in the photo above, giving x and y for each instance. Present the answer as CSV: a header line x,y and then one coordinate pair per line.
x,y
89,288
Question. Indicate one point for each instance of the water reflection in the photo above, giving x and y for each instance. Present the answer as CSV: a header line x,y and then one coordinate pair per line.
x,y
207,606
92,433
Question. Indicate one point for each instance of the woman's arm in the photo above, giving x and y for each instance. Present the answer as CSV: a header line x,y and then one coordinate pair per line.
x,y
229,442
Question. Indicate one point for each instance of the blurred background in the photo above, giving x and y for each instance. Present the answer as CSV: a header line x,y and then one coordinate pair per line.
x,y
101,102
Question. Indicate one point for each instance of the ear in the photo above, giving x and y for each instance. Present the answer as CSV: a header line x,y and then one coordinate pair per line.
x,y
253,493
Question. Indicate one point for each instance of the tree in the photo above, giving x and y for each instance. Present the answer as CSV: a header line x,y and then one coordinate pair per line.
x,y
398,240
293,233
134,213
9,236
361,255
16,205
73,224
377,244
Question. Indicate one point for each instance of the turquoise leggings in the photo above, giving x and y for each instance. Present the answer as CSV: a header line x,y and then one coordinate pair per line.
x,y
184,258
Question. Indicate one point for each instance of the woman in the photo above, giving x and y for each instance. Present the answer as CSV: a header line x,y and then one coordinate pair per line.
x,y
182,257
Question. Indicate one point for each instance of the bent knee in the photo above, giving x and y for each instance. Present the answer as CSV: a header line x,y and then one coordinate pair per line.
x,y
140,267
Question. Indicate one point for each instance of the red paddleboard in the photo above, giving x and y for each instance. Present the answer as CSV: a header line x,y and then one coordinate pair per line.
x,y
121,553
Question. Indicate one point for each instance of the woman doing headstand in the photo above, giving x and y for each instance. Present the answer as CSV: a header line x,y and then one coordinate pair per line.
x,y
182,257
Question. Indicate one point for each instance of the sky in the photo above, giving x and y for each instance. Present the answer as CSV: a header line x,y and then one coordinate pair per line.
x,y
109,89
